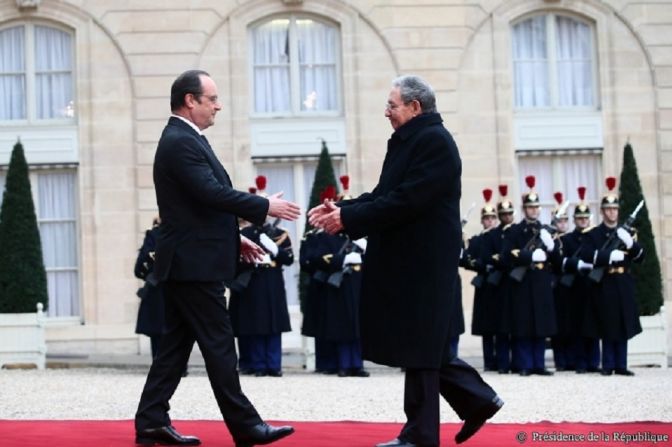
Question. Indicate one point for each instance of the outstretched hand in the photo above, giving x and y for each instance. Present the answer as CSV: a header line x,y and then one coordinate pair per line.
x,y
281,208
250,252
326,216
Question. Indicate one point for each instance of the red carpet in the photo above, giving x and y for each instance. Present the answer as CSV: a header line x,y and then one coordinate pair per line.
x,y
341,434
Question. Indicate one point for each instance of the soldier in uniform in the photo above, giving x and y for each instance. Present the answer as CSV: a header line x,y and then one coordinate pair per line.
x,y
573,290
613,248
562,342
258,304
339,259
526,249
483,321
498,284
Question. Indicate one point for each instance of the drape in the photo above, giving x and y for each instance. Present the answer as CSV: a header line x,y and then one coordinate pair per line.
x,y
530,63
12,74
53,73
574,61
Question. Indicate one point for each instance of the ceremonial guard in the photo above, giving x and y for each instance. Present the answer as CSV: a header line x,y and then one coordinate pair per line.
x,y
612,248
526,249
483,322
258,304
339,262
151,313
574,302
563,341
498,283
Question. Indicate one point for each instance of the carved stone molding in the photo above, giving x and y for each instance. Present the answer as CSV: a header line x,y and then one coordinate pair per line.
x,y
27,4
292,2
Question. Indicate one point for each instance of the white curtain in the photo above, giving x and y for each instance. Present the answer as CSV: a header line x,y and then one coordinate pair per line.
x,y
574,52
12,74
53,73
271,67
318,49
530,63
58,230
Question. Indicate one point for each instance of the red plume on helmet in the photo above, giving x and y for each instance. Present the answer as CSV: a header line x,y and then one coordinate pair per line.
x,y
329,193
252,190
503,190
530,181
261,182
487,194
345,181
558,197
581,190
611,183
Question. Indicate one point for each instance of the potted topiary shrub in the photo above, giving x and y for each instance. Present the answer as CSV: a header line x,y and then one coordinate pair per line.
x,y
23,280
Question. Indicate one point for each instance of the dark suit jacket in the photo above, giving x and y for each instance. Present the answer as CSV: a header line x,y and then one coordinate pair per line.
x,y
198,238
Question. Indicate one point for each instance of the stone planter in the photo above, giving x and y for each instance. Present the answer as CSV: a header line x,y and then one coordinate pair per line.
x,y
22,338
650,347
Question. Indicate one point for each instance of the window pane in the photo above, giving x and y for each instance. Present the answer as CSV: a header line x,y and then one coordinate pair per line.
x,y
574,51
530,63
58,231
271,67
12,74
53,73
318,49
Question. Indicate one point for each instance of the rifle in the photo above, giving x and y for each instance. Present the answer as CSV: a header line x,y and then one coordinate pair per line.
x,y
613,242
242,280
336,278
567,279
518,273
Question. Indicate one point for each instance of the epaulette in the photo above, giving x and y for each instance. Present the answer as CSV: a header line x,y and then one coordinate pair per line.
x,y
486,230
507,226
587,229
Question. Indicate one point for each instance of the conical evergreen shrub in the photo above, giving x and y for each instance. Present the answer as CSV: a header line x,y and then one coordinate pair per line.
x,y
23,280
648,278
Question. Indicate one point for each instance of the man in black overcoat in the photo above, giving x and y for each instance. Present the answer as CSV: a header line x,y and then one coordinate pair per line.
x,y
197,250
412,220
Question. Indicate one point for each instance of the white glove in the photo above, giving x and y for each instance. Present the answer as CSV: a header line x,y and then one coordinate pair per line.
x,y
268,244
547,239
584,265
616,256
623,235
352,258
538,255
361,243
266,259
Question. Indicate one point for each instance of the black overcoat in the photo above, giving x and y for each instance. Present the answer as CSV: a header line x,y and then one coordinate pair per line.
x,y
616,306
310,301
261,307
532,305
412,218
497,291
151,313
483,321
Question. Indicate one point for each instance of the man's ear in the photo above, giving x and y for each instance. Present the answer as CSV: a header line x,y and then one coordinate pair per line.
x,y
417,107
190,100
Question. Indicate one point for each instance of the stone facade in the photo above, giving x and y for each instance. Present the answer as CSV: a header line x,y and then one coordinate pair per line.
x,y
128,53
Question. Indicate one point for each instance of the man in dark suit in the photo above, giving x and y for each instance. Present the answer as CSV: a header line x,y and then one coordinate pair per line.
x,y
196,252
412,219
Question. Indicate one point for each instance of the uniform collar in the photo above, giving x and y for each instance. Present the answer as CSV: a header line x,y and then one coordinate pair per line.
x,y
417,123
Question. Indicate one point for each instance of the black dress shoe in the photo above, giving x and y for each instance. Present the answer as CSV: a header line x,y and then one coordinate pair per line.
x,y
343,373
503,371
524,372
542,372
274,373
607,372
581,371
359,372
593,369
624,372
473,424
164,436
260,374
262,434
396,443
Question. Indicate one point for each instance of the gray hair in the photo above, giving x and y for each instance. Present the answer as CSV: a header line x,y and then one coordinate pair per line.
x,y
412,88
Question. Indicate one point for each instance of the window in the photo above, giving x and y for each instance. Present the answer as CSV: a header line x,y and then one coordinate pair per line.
x,y
295,66
563,172
36,74
553,63
55,196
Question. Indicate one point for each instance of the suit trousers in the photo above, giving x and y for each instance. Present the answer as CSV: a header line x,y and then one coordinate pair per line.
x,y
195,311
460,384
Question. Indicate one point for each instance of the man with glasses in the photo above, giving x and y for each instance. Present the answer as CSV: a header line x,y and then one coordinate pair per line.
x,y
197,250
412,219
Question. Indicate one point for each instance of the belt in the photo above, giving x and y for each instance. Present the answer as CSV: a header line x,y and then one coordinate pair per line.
x,y
356,267
617,270
538,266
267,266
